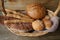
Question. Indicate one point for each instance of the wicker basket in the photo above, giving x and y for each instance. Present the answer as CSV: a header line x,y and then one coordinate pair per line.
x,y
54,19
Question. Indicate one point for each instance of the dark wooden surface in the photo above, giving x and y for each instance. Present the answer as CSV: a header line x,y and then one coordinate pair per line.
x,y
5,34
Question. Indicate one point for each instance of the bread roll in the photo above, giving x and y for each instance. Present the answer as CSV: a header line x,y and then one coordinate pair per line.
x,y
47,22
38,25
36,11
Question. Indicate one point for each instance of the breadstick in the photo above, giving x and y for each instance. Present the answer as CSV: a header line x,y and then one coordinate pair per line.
x,y
17,13
17,16
16,21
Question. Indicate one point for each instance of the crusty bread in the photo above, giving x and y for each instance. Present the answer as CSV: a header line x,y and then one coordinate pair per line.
x,y
38,25
36,11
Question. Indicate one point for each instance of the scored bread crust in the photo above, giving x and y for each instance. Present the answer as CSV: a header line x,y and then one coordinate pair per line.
x,y
36,11
22,26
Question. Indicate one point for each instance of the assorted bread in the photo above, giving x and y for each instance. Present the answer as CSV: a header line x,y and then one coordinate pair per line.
x,y
36,19
18,21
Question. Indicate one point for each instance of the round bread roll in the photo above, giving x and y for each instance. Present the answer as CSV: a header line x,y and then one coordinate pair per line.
x,y
36,11
38,25
47,22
